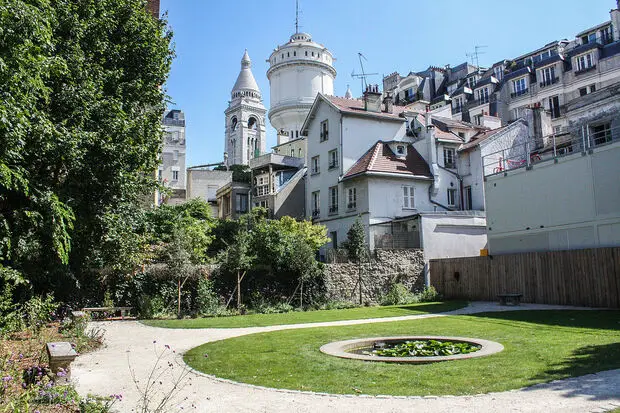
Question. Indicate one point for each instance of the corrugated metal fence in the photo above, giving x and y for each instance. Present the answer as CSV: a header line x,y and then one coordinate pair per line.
x,y
589,277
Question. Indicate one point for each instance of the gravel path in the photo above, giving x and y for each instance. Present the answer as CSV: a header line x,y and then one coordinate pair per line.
x,y
129,345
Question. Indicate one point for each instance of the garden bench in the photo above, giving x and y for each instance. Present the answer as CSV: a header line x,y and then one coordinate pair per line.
x,y
510,299
111,310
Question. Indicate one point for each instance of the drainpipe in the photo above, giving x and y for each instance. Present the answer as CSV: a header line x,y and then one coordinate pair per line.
x,y
430,198
460,179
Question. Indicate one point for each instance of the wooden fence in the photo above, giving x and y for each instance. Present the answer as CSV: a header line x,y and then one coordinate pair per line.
x,y
589,277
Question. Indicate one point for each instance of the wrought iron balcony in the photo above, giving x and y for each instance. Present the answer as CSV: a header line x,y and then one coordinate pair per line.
x,y
548,82
518,93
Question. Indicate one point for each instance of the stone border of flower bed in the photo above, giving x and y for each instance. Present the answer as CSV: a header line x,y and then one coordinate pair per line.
x,y
341,349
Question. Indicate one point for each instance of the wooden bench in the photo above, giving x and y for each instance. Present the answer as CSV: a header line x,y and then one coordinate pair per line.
x,y
111,310
510,299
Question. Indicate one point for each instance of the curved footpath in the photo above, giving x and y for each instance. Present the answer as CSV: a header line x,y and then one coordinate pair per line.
x,y
129,346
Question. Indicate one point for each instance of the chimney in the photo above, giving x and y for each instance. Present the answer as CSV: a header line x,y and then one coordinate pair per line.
x,y
615,21
388,103
372,99
153,7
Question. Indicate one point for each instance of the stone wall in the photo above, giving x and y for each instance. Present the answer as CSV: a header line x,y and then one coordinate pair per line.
x,y
386,267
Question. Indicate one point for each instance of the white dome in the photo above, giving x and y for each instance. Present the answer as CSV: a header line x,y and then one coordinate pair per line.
x,y
245,80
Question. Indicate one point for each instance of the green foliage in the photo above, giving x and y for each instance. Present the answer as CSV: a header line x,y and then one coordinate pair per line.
x,y
80,131
424,348
398,294
207,300
429,294
39,311
356,241
241,173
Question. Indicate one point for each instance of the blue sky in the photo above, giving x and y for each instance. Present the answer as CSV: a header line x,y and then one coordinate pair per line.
x,y
210,37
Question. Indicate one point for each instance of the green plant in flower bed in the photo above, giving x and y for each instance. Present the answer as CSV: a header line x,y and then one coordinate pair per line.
x,y
424,348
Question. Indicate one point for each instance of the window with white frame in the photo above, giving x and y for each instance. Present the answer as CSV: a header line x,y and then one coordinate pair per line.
x,y
324,135
449,160
519,87
606,35
451,197
316,203
292,151
483,95
241,204
498,72
548,76
175,173
408,200
458,104
471,82
315,165
351,198
333,199
332,157
584,62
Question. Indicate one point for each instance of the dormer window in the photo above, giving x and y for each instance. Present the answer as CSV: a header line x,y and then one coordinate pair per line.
x,y
400,150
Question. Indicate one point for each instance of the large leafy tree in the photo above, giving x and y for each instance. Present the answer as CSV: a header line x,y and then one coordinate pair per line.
x,y
80,109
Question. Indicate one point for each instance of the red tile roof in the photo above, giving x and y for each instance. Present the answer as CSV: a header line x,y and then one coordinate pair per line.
x,y
380,159
447,136
356,106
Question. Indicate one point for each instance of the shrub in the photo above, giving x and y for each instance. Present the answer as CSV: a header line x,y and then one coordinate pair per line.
x,y
39,311
207,300
429,294
398,294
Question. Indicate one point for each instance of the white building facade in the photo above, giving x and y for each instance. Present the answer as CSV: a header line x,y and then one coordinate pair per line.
x,y
171,171
245,132
298,71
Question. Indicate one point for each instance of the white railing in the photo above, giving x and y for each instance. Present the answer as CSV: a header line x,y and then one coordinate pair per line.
x,y
524,155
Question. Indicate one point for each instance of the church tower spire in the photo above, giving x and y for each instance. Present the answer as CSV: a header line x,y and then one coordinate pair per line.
x,y
245,118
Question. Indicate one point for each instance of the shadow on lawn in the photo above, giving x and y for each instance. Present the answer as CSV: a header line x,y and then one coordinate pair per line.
x,y
585,360
439,307
590,319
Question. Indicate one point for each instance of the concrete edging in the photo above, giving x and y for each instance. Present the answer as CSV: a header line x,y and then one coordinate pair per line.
x,y
339,349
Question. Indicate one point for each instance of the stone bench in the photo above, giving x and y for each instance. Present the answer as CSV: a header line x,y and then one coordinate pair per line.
x,y
111,310
60,355
510,299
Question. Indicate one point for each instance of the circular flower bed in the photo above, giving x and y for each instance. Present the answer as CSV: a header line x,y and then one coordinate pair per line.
x,y
412,349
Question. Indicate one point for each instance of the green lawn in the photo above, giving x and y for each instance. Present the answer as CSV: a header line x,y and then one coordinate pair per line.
x,y
540,346
302,317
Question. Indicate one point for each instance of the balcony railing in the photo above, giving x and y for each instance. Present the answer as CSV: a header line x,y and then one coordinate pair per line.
x,y
316,213
555,146
333,165
585,70
333,209
351,205
548,82
518,93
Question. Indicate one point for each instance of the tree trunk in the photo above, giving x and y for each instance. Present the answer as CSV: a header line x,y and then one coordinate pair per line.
x,y
179,301
301,297
238,291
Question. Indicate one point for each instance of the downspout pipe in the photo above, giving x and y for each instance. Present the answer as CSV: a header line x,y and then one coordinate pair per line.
x,y
460,179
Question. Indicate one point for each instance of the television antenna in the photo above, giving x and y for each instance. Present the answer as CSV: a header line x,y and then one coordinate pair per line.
x,y
476,55
363,75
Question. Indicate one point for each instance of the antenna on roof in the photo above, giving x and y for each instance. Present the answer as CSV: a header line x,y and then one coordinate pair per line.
x,y
363,75
475,55
296,16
